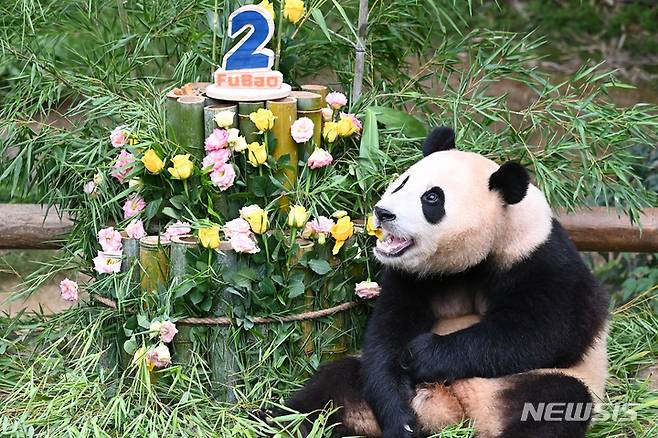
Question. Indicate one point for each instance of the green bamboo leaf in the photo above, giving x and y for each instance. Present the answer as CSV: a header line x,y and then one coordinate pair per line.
x,y
409,125
319,19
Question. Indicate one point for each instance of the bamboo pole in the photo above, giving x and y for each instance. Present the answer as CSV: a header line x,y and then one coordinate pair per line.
x,y
322,90
310,105
180,245
209,113
154,260
247,127
185,121
285,111
223,339
308,298
130,258
357,84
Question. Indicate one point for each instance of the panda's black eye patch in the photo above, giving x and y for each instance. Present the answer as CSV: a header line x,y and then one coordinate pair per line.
x,y
433,205
401,185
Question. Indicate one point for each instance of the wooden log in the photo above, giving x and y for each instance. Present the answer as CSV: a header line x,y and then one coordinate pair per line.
x,y
598,229
247,127
32,226
285,111
209,113
185,122
310,105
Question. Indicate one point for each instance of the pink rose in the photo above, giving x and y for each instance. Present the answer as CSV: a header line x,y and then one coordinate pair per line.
x,y
135,229
118,137
216,159
167,331
217,140
89,187
367,289
107,262
160,356
302,130
327,114
69,290
133,206
176,229
319,158
242,242
223,176
336,100
123,165
109,239
356,122
236,226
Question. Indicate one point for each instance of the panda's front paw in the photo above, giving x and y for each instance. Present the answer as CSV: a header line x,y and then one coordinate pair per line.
x,y
423,361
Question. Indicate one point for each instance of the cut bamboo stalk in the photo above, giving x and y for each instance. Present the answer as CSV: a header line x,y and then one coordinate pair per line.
x,y
209,113
334,329
222,352
322,90
285,111
180,246
308,297
130,258
359,62
310,105
247,127
185,118
154,260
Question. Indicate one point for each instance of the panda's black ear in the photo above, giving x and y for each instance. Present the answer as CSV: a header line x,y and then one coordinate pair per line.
x,y
440,139
511,181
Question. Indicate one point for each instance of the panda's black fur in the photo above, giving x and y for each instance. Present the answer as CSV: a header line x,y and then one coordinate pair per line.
x,y
544,311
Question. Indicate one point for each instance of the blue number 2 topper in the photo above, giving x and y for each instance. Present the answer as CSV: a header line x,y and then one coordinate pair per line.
x,y
250,52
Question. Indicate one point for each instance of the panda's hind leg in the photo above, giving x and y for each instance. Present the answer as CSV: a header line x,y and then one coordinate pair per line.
x,y
528,405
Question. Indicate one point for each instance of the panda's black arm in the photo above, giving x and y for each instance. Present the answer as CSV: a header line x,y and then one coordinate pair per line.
x,y
402,312
528,330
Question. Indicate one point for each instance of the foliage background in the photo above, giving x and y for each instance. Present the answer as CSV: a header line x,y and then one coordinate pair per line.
x,y
70,70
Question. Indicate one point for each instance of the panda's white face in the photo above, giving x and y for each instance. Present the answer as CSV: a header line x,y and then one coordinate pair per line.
x,y
441,217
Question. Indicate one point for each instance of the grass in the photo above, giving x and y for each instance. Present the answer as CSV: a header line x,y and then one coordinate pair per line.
x,y
64,388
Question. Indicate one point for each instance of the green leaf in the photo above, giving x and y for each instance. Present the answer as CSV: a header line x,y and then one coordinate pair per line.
x,y
130,346
295,289
168,211
319,19
143,321
152,208
319,266
409,125
196,297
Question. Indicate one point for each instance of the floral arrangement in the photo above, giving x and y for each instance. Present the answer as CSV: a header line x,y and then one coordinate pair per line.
x,y
288,256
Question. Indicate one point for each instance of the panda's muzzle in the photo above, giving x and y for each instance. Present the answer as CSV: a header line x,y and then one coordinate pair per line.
x,y
393,246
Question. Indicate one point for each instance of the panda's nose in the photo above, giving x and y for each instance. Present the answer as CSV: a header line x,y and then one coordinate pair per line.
x,y
384,215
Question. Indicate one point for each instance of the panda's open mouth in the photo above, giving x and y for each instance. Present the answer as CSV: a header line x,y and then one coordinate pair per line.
x,y
393,246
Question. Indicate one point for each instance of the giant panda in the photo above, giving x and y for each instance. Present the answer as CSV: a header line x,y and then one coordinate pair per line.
x,y
486,312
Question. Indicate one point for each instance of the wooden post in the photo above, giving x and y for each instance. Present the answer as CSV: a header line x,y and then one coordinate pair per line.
x,y
322,90
222,356
310,105
185,118
180,246
285,111
209,113
247,127
360,48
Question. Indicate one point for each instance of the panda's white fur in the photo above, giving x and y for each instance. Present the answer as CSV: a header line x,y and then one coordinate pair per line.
x,y
477,223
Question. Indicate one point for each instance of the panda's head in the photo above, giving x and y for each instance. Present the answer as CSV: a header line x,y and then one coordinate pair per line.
x,y
454,209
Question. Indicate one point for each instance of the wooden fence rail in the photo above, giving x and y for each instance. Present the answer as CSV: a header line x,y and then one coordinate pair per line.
x,y
27,226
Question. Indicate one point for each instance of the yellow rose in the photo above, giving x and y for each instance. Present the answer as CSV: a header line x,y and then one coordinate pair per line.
x,y
182,167
209,237
371,229
330,131
152,162
345,126
342,230
257,218
294,10
339,214
263,119
140,357
297,216
269,8
257,154
224,119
